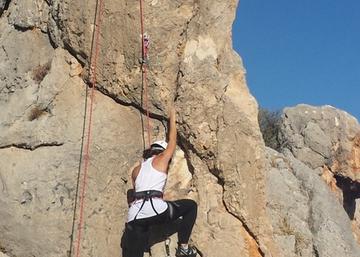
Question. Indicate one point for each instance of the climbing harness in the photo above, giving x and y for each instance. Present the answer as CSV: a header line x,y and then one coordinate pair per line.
x,y
85,150
147,196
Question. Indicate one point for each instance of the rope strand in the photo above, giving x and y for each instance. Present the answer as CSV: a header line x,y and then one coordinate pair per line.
x,y
93,65
144,73
94,54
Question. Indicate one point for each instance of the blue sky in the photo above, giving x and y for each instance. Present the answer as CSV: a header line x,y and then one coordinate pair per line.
x,y
301,52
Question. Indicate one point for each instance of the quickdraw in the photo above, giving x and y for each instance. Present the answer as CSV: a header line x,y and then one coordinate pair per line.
x,y
167,247
144,60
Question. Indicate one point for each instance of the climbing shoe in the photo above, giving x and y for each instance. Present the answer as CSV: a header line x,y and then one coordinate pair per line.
x,y
189,252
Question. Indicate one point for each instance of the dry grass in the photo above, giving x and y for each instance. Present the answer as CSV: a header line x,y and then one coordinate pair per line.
x,y
286,228
39,73
36,112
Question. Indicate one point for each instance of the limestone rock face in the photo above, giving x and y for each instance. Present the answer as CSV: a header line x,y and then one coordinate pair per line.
x,y
327,140
45,52
2,5
306,216
40,158
321,136
29,14
19,64
42,92
193,65
192,62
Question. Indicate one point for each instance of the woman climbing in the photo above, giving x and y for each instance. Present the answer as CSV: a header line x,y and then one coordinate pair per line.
x,y
148,207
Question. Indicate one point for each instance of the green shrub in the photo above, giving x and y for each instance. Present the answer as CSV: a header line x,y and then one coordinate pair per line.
x,y
269,122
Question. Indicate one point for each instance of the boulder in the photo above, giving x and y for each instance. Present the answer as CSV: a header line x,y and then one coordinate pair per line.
x,y
29,14
306,217
323,136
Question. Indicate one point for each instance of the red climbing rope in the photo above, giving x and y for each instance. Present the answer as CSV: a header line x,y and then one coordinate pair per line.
x,y
93,65
144,52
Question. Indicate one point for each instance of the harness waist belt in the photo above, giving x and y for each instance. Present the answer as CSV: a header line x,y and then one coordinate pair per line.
x,y
148,194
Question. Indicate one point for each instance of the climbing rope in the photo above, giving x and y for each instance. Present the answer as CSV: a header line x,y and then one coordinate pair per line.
x,y
85,151
144,62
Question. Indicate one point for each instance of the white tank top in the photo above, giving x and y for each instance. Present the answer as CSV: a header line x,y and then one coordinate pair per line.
x,y
148,179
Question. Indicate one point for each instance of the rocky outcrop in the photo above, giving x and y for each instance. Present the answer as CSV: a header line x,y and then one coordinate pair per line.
x,y
40,149
323,136
29,14
220,160
3,4
327,140
307,218
191,62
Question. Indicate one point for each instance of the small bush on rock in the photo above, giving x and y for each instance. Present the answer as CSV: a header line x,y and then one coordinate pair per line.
x,y
36,112
39,73
269,122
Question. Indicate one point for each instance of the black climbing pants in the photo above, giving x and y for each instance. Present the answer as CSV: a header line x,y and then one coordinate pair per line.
x,y
136,235
187,209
